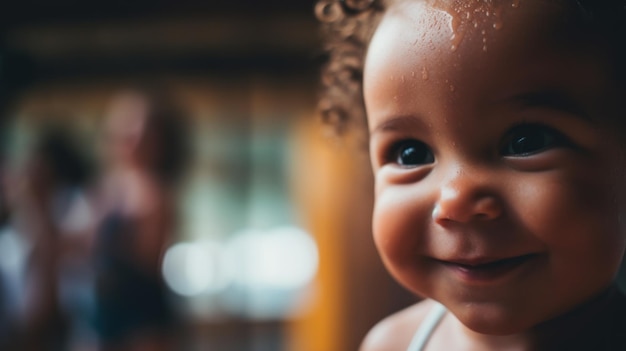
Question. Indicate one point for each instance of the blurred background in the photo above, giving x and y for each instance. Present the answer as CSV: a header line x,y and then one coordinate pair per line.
x,y
166,184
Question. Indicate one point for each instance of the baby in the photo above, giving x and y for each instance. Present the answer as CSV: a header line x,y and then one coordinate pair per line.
x,y
496,132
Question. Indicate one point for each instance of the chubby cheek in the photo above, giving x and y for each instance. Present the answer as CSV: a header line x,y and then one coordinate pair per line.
x,y
575,215
400,225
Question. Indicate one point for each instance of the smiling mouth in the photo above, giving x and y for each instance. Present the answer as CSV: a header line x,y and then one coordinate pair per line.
x,y
487,271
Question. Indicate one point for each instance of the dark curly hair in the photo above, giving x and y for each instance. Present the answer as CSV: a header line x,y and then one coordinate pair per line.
x,y
348,25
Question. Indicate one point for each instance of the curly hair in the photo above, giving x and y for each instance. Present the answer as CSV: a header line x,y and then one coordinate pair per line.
x,y
348,25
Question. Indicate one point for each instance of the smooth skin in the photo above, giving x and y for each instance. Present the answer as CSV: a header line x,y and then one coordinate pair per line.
x,y
499,169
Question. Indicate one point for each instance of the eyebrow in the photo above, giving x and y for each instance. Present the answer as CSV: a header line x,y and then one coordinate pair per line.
x,y
553,99
397,123
549,98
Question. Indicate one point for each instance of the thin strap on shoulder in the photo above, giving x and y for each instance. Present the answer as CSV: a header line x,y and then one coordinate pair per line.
x,y
427,327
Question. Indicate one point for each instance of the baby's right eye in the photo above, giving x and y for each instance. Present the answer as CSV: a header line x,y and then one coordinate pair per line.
x,y
413,153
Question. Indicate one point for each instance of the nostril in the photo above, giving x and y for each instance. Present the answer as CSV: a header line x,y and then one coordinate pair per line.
x,y
481,216
488,207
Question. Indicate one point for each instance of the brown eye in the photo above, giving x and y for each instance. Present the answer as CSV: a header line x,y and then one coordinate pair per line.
x,y
530,139
413,153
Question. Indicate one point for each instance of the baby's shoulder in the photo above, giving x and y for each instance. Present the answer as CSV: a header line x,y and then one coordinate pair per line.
x,y
396,331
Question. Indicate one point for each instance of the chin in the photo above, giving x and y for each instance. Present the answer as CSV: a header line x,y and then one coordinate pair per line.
x,y
491,328
492,321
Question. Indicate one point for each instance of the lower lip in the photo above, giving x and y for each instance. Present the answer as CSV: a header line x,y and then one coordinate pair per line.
x,y
489,272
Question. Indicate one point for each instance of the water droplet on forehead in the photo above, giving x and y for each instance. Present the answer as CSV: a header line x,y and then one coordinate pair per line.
x,y
467,14
424,73
456,39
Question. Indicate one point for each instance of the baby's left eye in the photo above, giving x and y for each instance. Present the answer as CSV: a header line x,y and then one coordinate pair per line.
x,y
529,139
413,153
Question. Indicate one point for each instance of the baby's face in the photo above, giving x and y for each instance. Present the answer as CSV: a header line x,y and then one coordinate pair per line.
x,y
499,182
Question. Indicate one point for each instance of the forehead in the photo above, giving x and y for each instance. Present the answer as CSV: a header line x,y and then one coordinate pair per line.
x,y
472,49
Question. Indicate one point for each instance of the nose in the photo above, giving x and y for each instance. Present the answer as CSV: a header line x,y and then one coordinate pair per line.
x,y
464,199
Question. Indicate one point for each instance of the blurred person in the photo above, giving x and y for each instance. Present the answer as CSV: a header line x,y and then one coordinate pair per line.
x,y
44,200
12,270
144,158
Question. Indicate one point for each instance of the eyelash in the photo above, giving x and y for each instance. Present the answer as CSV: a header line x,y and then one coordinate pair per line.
x,y
535,137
